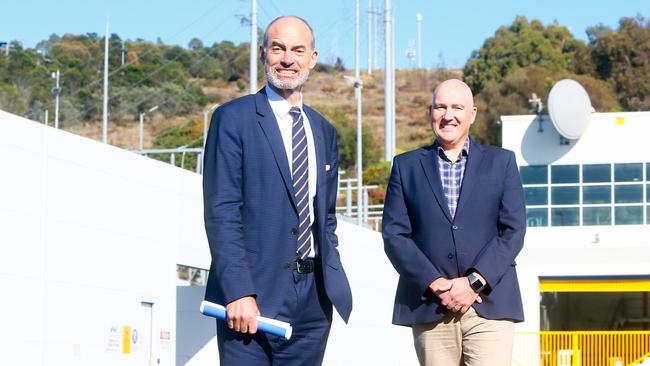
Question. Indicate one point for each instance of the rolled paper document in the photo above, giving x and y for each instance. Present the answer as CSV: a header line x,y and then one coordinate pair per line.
x,y
266,325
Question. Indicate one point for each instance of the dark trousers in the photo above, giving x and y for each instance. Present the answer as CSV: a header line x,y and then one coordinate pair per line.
x,y
310,314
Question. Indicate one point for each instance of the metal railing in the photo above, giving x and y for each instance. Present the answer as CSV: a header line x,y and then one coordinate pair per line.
x,y
581,348
370,214
182,151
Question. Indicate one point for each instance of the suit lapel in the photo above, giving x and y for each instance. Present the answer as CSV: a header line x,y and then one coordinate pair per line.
x,y
269,125
471,174
429,161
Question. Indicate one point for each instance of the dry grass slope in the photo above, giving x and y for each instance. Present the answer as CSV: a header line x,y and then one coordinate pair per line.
x,y
325,92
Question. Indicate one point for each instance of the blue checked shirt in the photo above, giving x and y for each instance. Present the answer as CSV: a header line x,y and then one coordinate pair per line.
x,y
451,174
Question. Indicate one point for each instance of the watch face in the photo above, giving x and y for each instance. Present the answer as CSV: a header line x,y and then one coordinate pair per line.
x,y
475,282
477,285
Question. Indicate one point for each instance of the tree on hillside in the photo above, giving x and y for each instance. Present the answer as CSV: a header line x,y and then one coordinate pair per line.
x,y
623,58
511,95
46,45
195,44
528,57
519,45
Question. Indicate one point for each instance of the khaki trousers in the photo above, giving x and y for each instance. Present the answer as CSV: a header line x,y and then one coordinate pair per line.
x,y
465,339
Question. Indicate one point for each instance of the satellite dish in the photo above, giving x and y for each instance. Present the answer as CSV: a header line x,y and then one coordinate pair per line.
x,y
569,108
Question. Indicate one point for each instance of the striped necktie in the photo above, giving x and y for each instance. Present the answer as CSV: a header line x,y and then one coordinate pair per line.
x,y
300,176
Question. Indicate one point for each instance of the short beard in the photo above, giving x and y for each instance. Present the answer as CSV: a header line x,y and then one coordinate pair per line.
x,y
293,85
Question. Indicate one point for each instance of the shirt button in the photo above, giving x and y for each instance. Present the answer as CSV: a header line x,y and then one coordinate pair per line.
x,y
294,231
450,255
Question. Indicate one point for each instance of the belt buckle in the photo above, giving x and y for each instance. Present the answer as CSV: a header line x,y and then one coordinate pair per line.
x,y
304,266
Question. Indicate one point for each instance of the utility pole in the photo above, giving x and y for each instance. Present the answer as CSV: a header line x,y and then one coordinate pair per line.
x,y
56,91
418,16
370,20
253,53
357,91
123,50
105,105
389,96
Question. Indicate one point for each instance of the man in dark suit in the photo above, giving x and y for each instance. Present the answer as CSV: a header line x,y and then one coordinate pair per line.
x,y
270,182
454,221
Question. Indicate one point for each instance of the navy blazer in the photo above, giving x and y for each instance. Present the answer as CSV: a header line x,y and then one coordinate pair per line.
x,y
423,242
250,211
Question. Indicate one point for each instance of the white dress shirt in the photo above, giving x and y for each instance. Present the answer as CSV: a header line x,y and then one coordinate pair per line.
x,y
281,107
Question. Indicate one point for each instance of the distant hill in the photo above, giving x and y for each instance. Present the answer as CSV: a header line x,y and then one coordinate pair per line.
x,y
522,58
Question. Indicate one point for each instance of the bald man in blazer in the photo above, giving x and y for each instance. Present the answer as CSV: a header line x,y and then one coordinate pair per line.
x,y
454,221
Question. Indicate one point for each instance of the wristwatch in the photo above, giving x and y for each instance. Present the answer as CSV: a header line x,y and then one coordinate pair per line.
x,y
475,282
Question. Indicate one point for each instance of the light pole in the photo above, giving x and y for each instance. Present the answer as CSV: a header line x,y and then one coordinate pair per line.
x,y
389,87
142,125
105,101
123,50
370,51
418,17
56,91
253,48
358,84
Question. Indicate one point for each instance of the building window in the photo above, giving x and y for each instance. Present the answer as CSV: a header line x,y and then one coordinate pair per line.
x,y
590,194
597,173
597,215
565,195
534,174
631,172
565,216
628,215
628,193
596,194
536,217
536,196
191,276
564,174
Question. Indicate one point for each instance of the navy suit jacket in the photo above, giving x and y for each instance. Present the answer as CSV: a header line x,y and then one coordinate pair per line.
x,y
250,211
423,242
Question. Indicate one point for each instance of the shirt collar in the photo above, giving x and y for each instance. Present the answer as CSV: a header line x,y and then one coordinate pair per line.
x,y
279,105
441,151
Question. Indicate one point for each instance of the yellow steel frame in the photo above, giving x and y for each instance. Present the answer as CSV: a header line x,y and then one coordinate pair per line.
x,y
594,285
601,348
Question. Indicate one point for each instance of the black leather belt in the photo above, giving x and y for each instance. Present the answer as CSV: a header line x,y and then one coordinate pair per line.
x,y
301,266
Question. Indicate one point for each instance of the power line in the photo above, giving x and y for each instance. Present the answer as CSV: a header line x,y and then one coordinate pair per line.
x,y
125,65
79,114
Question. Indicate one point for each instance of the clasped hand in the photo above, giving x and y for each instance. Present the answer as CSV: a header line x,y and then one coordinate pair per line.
x,y
455,294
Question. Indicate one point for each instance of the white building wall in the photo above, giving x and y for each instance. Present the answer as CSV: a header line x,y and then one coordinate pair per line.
x,y
579,250
609,138
88,232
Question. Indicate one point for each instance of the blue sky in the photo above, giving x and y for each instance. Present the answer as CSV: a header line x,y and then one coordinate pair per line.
x,y
451,29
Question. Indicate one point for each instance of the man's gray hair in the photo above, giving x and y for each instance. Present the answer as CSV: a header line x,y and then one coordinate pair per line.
x,y
265,43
